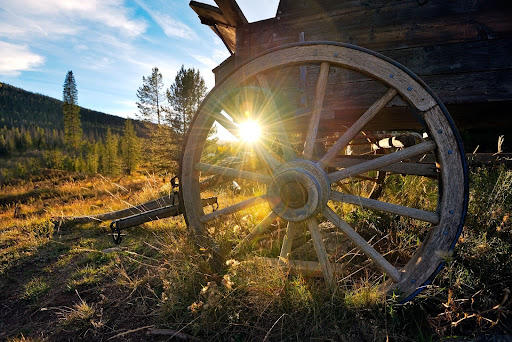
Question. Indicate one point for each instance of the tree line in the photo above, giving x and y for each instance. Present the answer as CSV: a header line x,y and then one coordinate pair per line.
x,y
165,114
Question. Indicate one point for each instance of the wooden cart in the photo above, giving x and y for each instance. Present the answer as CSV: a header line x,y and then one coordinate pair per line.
x,y
334,82
343,124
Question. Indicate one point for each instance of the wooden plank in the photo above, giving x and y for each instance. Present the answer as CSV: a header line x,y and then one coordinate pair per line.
x,y
345,101
232,12
114,215
314,10
397,26
210,14
227,34
216,19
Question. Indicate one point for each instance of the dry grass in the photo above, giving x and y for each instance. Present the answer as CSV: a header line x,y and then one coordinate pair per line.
x,y
70,283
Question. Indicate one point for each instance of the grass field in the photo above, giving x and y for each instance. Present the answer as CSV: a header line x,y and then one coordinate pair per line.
x,y
73,283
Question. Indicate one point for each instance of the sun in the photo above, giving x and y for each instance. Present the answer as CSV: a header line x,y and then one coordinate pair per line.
x,y
250,131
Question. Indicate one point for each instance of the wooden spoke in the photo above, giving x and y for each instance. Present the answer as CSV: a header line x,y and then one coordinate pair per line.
x,y
267,156
418,214
406,168
291,231
383,161
233,209
282,135
233,129
321,253
365,247
321,85
233,173
350,134
259,229
226,123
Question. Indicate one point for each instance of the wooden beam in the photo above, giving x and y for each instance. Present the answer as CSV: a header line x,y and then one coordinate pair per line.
x,y
232,12
218,22
209,13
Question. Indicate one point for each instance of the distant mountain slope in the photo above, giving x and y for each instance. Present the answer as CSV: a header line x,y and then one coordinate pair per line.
x,y
21,108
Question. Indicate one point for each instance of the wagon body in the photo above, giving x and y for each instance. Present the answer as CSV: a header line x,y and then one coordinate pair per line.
x,y
461,49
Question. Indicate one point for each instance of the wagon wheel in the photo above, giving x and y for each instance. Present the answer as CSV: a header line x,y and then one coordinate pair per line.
x,y
300,192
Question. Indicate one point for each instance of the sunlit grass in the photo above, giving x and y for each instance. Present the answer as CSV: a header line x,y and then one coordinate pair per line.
x,y
159,277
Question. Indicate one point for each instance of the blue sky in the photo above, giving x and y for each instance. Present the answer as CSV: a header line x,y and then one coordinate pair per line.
x,y
109,45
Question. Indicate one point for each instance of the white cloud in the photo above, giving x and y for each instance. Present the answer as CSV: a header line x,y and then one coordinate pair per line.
x,y
17,58
207,61
53,18
170,26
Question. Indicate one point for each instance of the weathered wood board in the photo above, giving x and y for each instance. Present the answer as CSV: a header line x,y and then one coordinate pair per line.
x,y
462,49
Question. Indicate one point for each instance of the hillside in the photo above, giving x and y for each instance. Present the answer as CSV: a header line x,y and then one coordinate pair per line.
x,y
22,109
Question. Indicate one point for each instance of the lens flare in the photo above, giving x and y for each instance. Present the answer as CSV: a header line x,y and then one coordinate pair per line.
x,y
250,131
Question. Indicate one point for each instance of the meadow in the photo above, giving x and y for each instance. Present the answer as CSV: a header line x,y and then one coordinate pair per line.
x,y
70,282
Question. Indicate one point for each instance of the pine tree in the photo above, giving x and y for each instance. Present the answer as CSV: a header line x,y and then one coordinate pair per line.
x,y
111,159
93,158
71,113
151,97
185,96
3,146
130,148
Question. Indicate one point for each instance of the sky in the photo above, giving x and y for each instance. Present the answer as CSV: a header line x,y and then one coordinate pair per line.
x,y
109,45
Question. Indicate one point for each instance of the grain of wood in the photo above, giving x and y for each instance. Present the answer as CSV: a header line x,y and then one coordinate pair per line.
x,y
321,253
350,133
418,214
312,132
292,229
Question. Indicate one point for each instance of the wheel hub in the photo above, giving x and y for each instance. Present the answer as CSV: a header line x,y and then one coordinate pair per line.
x,y
294,194
299,189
